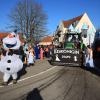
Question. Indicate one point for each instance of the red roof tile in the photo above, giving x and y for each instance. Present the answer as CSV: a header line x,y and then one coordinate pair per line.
x,y
47,39
69,22
3,34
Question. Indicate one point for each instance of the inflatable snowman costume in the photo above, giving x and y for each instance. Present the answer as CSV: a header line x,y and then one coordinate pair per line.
x,y
11,63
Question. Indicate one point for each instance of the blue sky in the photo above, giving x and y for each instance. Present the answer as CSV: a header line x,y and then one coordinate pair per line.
x,y
56,10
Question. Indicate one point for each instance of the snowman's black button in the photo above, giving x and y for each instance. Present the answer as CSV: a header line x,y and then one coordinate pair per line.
x,y
9,61
8,69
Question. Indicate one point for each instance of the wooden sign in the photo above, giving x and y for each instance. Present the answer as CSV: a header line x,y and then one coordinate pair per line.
x,y
67,56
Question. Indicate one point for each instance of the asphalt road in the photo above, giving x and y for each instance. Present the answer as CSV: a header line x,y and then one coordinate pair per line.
x,y
74,84
54,83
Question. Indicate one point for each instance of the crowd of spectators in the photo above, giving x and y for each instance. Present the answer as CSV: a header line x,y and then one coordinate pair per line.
x,y
30,53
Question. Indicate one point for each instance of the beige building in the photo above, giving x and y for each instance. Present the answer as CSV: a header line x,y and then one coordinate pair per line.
x,y
77,24
46,40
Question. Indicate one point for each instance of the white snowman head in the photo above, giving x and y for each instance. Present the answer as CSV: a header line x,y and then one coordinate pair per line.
x,y
11,41
10,64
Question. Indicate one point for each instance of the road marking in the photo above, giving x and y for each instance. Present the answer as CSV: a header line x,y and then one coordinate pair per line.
x,y
31,76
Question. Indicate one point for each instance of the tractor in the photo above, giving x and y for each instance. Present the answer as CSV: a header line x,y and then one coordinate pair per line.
x,y
70,52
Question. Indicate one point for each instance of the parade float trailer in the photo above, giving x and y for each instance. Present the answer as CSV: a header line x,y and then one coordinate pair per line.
x,y
71,54
71,39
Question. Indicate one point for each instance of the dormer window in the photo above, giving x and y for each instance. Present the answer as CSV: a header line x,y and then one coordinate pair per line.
x,y
75,23
71,28
84,30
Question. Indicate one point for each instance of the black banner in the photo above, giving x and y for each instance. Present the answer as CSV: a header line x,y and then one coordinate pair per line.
x,y
67,56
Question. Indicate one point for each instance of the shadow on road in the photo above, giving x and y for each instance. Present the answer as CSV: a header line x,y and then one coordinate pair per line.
x,y
93,70
22,72
34,95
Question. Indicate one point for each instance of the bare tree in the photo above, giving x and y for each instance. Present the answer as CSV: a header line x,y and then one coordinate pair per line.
x,y
28,17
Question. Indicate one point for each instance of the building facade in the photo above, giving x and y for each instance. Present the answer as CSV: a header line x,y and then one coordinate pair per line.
x,y
81,24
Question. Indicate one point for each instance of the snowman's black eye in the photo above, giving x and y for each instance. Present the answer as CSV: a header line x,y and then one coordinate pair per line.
x,y
14,35
9,61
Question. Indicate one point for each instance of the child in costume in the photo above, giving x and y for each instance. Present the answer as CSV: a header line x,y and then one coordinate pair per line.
x,y
11,63
30,57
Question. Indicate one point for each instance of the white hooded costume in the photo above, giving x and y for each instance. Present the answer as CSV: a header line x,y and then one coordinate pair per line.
x,y
89,59
11,64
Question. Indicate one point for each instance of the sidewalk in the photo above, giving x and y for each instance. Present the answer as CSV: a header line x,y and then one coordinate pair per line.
x,y
39,66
